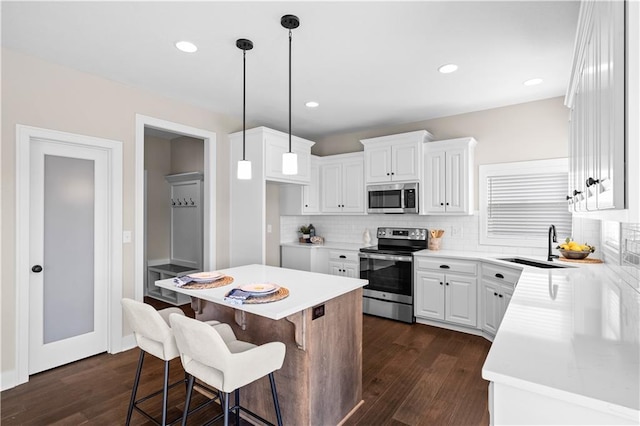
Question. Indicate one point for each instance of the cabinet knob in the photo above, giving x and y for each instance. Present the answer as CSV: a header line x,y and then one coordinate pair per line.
x,y
37,269
441,282
392,173
447,203
306,205
499,295
446,283
442,204
576,192
495,294
387,174
569,197
591,181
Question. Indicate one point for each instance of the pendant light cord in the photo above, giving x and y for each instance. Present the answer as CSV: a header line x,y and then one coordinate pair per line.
x,y
244,99
289,90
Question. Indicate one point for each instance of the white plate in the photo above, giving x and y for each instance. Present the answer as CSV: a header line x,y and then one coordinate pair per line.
x,y
205,276
260,288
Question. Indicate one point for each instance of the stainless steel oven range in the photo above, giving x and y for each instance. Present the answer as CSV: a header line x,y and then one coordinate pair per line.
x,y
389,269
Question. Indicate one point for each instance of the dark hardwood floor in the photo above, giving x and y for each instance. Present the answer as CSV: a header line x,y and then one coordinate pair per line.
x,y
412,375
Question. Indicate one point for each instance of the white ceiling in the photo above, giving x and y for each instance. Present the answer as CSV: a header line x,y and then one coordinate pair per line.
x,y
368,64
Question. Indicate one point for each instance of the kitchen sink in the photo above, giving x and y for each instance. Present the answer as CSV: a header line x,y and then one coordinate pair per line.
x,y
535,263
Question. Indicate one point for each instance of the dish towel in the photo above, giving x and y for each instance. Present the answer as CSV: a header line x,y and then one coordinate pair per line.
x,y
180,281
237,296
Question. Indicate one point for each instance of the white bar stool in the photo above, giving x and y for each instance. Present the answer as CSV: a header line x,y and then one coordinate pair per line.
x,y
214,356
153,336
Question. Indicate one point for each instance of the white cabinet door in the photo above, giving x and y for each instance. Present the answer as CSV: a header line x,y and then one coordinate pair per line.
x,y
311,192
275,146
456,179
353,187
351,270
429,298
491,307
335,268
378,161
460,299
505,298
434,192
331,187
405,162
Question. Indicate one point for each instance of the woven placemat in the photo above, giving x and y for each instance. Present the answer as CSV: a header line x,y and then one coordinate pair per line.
x,y
226,280
587,260
282,293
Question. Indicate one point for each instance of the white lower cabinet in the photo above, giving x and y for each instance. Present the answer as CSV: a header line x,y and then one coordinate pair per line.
x,y
311,259
446,290
498,283
344,263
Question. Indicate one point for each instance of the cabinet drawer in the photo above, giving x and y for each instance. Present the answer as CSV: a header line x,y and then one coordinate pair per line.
x,y
447,265
343,255
501,274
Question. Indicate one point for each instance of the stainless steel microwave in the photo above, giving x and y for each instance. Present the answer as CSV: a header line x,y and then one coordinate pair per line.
x,y
393,198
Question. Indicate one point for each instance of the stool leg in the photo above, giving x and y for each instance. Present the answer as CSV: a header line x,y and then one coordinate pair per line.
x,y
237,407
165,393
272,380
134,391
226,408
188,399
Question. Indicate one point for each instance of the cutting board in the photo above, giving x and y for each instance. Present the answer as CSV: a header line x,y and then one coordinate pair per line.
x,y
587,260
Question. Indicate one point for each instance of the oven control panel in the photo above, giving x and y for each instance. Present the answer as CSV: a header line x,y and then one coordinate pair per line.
x,y
402,233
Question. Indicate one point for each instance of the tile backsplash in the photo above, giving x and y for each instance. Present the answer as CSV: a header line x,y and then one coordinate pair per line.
x,y
461,232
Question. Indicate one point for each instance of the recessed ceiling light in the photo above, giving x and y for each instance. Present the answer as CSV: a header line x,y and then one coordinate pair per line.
x,y
312,104
532,82
186,46
448,68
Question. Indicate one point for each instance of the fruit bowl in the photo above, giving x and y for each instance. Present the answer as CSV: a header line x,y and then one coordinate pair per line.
x,y
570,254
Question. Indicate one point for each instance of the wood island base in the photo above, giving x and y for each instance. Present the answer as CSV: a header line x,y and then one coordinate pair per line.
x,y
320,382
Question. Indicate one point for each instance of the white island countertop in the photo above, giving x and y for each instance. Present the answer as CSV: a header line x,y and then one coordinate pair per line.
x,y
573,335
306,289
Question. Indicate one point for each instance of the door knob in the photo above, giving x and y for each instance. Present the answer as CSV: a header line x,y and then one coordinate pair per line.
x,y
36,268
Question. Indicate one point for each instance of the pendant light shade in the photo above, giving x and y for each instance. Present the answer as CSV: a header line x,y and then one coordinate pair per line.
x,y
244,165
290,159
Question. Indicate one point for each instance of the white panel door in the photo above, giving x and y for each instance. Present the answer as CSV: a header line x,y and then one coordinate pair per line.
x,y
434,182
353,187
429,301
331,188
405,162
311,192
68,251
491,307
456,181
378,164
460,299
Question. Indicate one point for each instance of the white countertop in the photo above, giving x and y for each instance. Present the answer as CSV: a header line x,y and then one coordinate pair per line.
x,y
306,289
572,334
328,245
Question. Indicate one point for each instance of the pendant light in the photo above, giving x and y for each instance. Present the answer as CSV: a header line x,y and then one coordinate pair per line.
x,y
290,159
244,165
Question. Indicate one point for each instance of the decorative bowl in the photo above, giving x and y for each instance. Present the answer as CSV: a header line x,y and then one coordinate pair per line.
x,y
570,254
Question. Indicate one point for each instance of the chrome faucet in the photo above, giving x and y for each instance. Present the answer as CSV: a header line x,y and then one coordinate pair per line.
x,y
554,237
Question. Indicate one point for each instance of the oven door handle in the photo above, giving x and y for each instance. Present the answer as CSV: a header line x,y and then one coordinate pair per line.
x,y
385,257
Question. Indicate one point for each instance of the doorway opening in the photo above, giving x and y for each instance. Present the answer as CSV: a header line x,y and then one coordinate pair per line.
x,y
172,158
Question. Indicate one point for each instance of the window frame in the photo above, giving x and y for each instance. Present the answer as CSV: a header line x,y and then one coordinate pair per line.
x,y
555,165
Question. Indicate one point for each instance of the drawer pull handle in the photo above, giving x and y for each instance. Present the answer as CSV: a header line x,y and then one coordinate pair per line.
x,y
444,267
342,256
499,276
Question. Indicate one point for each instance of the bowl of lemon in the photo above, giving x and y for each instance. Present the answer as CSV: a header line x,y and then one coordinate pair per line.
x,y
573,250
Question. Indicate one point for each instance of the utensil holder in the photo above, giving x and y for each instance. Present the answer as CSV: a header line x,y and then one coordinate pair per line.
x,y
434,243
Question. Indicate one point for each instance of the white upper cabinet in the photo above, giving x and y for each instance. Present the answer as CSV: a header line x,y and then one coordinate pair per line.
x,y
448,176
342,183
394,158
596,97
275,145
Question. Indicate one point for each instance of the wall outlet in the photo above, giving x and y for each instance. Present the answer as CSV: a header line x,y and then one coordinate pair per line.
x,y
456,231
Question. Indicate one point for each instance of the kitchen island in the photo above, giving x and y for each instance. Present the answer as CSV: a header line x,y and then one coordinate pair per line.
x,y
320,322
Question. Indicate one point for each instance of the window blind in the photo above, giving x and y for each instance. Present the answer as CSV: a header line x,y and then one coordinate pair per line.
x,y
526,204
